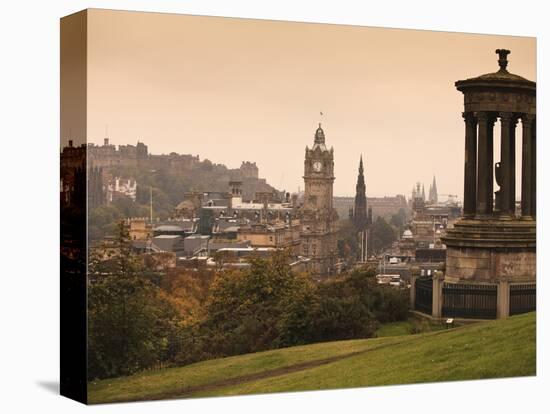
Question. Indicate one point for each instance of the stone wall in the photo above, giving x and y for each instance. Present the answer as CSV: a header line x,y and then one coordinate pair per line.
x,y
488,265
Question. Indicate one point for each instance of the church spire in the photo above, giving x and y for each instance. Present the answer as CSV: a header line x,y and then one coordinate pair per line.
x,y
434,191
360,208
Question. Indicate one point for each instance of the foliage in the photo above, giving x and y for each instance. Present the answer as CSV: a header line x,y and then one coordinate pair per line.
x,y
383,235
101,221
187,291
129,322
247,310
348,241
139,316
270,306
399,220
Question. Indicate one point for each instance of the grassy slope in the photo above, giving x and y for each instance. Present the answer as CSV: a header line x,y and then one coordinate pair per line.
x,y
485,350
394,329
147,385
405,327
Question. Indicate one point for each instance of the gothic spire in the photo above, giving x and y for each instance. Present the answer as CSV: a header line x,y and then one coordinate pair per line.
x,y
360,217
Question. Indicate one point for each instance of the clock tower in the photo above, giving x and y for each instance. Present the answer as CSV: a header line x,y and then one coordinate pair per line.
x,y
318,217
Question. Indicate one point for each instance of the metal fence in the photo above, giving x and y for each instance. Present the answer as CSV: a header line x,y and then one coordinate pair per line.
x,y
423,294
523,298
470,301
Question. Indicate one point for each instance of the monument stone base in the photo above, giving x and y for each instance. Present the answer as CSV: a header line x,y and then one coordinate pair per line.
x,y
489,250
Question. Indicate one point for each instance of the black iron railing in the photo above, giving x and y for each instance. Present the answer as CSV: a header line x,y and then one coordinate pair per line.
x,y
523,298
469,301
423,295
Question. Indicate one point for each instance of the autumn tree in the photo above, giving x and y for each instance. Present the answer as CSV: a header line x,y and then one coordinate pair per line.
x,y
249,310
130,324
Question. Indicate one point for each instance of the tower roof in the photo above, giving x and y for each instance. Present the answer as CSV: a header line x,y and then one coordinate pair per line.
x,y
319,141
319,135
500,78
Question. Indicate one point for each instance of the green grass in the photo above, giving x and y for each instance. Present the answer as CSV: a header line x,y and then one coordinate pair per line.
x,y
149,385
406,327
394,329
484,350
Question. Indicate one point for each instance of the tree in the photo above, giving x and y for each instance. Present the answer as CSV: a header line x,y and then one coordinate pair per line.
x,y
129,322
251,310
346,308
348,240
270,306
101,220
398,220
383,235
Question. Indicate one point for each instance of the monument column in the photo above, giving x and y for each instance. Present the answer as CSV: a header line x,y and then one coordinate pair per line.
x,y
507,163
513,124
485,165
527,167
470,164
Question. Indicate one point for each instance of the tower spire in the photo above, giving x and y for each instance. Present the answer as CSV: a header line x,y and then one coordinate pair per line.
x,y
433,191
360,208
319,135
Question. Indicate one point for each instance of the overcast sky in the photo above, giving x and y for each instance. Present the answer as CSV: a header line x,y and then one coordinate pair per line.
x,y
232,90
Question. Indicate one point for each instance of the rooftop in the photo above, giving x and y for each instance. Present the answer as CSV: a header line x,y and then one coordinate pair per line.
x,y
499,78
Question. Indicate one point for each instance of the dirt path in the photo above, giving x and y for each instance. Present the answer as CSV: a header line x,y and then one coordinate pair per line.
x,y
190,391
187,392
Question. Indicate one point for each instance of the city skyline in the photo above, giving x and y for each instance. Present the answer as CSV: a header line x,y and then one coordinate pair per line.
x,y
262,84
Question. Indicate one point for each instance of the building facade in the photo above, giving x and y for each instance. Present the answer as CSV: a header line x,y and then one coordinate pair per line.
x,y
317,214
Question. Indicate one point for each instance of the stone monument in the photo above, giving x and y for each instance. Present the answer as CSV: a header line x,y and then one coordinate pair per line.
x,y
492,243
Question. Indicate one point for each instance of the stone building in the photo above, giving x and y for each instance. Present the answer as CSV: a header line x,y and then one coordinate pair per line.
x,y
360,214
249,170
318,217
491,252
278,235
107,155
139,229
96,188
73,175
380,206
387,205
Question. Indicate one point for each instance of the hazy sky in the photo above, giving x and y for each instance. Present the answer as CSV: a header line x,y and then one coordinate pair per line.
x,y
234,89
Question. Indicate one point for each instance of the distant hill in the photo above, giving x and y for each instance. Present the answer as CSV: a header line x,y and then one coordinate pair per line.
x,y
189,172
484,350
167,177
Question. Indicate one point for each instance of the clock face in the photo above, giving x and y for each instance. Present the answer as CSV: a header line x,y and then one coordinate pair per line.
x,y
317,166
